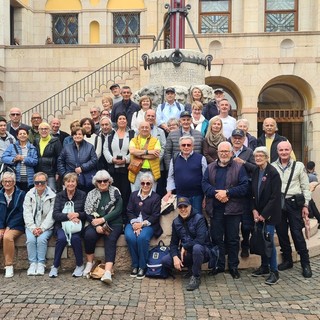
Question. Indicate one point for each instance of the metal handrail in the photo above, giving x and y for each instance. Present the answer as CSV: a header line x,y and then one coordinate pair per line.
x,y
66,99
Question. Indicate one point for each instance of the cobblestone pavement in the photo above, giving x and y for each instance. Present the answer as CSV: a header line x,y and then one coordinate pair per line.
x,y
219,297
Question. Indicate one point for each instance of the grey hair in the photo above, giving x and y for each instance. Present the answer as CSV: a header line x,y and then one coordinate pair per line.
x,y
261,149
40,173
173,120
185,138
96,108
9,174
245,121
101,175
147,176
105,118
227,143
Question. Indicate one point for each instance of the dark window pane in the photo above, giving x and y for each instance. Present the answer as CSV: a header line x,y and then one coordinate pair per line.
x,y
126,27
65,28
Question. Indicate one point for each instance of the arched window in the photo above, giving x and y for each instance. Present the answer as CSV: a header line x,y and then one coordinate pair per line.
x,y
281,15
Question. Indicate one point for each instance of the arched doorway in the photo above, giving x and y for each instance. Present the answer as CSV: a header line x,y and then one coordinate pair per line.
x,y
285,104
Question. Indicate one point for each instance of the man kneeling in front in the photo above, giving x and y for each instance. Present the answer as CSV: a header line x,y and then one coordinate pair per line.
x,y
190,233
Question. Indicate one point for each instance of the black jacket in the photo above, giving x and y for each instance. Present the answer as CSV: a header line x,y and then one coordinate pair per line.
x,y
78,199
48,161
187,233
268,201
261,141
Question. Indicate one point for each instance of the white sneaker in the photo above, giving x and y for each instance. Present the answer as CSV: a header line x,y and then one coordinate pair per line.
x,y
53,272
32,271
9,272
87,269
78,271
41,269
106,278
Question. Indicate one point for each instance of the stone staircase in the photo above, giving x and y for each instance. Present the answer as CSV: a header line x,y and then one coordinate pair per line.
x,y
82,109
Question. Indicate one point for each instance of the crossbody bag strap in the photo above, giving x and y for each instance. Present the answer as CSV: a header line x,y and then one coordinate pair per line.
x,y
290,178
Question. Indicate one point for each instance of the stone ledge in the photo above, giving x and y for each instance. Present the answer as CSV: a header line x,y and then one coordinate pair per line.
x,y
123,260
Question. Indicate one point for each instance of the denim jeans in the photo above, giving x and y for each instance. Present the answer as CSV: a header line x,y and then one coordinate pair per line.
x,y
272,261
138,245
37,246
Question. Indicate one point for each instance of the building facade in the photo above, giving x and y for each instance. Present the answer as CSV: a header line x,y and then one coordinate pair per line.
x,y
266,53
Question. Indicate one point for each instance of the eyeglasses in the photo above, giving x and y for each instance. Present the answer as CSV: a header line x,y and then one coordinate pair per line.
x,y
36,118
91,112
146,183
224,151
38,183
15,114
7,181
104,181
186,145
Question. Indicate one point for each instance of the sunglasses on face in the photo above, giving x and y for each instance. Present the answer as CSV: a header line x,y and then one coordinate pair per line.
x,y
186,145
104,181
38,183
14,114
146,183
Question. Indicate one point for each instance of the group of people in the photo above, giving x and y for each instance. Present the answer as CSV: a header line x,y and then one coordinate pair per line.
x,y
117,165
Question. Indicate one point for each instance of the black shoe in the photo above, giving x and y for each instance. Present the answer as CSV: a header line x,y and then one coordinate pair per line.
x,y
273,278
244,253
235,273
141,274
134,272
261,271
306,271
194,283
188,274
214,272
285,265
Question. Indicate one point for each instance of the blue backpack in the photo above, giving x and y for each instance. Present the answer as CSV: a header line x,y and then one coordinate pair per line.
x,y
154,264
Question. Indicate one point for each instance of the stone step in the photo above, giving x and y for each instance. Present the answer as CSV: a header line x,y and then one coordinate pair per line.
x,y
123,260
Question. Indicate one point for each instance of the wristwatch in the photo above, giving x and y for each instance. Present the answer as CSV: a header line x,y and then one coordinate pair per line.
x,y
227,193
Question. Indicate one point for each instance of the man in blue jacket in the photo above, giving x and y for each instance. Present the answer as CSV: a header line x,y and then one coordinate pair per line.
x,y
190,233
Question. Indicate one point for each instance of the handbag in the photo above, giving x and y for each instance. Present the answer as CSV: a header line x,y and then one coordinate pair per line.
x,y
106,229
97,270
283,195
299,200
135,165
260,241
9,167
69,227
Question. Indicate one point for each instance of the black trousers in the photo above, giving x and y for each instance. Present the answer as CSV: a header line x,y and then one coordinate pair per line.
x,y
292,218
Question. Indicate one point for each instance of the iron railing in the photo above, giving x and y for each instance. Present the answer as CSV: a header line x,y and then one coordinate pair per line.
x,y
66,99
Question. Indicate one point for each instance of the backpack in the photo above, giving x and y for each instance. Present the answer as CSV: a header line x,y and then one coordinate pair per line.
x,y
154,264
176,103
